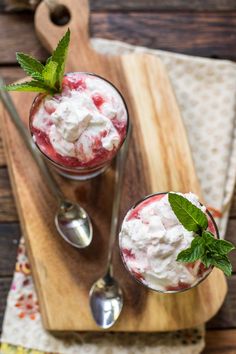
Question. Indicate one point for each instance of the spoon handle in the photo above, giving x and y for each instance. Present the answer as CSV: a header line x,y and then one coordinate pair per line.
x,y
119,174
10,107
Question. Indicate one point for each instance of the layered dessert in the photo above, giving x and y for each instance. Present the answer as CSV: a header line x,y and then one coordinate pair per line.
x,y
80,129
150,240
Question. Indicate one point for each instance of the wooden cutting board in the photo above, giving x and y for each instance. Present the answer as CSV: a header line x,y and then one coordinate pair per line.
x,y
159,160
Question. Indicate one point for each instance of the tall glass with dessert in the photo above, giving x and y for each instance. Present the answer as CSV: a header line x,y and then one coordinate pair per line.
x,y
78,120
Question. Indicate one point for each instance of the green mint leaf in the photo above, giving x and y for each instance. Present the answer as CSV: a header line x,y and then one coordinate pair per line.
x,y
209,239
209,235
29,64
197,241
206,260
49,73
38,77
29,86
59,56
191,217
224,247
198,247
210,250
223,263
185,255
48,60
217,246
193,253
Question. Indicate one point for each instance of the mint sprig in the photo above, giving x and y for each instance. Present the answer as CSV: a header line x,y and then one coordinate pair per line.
x,y
28,86
194,252
59,56
205,247
46,78
191,217
29,64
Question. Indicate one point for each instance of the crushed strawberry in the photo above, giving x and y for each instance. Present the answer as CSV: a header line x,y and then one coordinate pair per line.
x,y
190,265
98,100
78,84
180,286
49,109
137,275
201,270
211,226
128,253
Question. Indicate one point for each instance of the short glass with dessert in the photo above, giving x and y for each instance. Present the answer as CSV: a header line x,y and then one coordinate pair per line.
x,y
169,242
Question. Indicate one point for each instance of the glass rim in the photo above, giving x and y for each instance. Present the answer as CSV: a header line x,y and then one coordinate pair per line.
x,y
82,168
147,286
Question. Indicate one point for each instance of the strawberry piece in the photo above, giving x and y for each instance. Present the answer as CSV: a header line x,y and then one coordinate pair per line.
x,y
98,100
190,265
128,253
137,275
180,286
201,270
78,84
211,226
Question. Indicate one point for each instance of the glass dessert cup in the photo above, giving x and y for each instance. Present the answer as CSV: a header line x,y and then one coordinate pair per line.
x,y
127,253
80,168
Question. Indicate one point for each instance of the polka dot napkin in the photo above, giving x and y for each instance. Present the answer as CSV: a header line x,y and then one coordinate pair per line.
x,y
205,90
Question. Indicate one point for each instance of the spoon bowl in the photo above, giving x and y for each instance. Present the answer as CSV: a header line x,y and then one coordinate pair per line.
x,y
74,224
106,301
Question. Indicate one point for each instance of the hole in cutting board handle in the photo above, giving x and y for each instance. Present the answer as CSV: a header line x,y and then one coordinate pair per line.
x,y
60,16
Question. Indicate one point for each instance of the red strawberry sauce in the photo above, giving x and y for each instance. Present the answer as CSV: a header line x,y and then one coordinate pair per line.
x,y
134,213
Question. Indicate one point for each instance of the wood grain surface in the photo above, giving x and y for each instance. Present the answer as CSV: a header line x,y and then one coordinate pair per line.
x,y
222,340
211,35
155,5
36,209
147,5
7,205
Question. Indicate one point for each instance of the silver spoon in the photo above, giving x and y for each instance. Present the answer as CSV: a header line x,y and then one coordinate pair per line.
x,y
71,220
106,297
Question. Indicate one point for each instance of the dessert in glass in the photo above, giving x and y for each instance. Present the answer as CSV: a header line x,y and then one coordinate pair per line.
x,y
150,239
81,129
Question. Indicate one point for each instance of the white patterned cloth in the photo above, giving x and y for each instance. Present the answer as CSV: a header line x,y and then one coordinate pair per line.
x,y
205,90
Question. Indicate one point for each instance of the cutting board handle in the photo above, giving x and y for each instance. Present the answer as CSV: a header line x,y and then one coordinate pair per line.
x,y
49,33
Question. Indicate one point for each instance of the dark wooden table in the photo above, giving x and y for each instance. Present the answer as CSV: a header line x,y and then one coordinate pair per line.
x,y
198,27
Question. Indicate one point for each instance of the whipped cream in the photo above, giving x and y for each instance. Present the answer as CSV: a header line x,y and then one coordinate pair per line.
x,y
75,125
151,240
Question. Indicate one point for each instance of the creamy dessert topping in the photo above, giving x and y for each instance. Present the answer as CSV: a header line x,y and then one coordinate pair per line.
x,y
86,122
151,238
